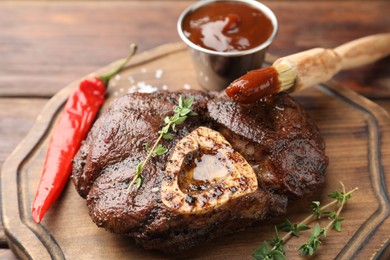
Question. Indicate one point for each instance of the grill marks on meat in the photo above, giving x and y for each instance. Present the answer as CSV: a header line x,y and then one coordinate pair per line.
x,y
274,135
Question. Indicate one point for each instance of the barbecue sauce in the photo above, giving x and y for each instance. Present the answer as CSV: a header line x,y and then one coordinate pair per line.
x,y
254,85
227,26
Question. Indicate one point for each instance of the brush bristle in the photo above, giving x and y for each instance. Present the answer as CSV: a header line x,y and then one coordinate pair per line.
x,y
286,75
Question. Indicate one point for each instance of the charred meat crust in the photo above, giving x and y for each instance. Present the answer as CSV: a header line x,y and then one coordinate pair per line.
x,y
274,135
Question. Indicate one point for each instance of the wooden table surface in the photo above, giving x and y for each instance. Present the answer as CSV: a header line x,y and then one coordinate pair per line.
x,y
45,45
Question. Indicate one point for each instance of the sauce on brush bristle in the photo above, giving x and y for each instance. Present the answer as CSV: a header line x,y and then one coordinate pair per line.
x,y
254,85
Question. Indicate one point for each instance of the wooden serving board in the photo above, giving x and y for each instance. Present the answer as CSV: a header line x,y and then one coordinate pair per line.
x,y
356,132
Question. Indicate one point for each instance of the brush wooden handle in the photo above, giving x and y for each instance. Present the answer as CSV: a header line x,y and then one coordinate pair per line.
x,y
319,65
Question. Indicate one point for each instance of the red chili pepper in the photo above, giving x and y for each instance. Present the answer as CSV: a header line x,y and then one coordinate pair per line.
x,y
68,133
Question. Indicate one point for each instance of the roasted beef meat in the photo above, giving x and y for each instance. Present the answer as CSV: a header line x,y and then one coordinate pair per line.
x,y
227,167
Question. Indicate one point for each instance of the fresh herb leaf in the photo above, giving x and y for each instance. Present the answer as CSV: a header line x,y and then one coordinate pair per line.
x,y
287,226
277,243
138,182
316,230
315,207
168,136
330,213
165,129
277,255
179,120
137,179
188,102
314,242
185,111
306,249
262,252
341,197
138,168
160,150
265,251
181,103
337,224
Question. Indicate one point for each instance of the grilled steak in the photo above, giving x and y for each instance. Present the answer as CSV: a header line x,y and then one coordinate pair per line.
x,y
227,167
276,137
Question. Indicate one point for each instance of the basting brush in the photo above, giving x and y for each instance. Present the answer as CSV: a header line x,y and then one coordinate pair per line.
x,y
304,69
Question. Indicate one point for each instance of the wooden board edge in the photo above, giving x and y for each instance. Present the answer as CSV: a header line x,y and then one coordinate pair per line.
x,y
377,119
44,121
23,231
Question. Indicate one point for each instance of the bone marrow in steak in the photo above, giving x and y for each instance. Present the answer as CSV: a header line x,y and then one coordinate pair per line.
x,y
226,168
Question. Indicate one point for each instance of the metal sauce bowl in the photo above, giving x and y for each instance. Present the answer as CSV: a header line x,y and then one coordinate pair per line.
x,y
216,70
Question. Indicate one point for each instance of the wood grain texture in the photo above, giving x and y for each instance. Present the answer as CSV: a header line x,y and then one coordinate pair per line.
x,y
17,116
356,131
48,44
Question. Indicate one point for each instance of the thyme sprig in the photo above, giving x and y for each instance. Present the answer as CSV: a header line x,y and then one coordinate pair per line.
x,y
274,249
287,226
181,112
